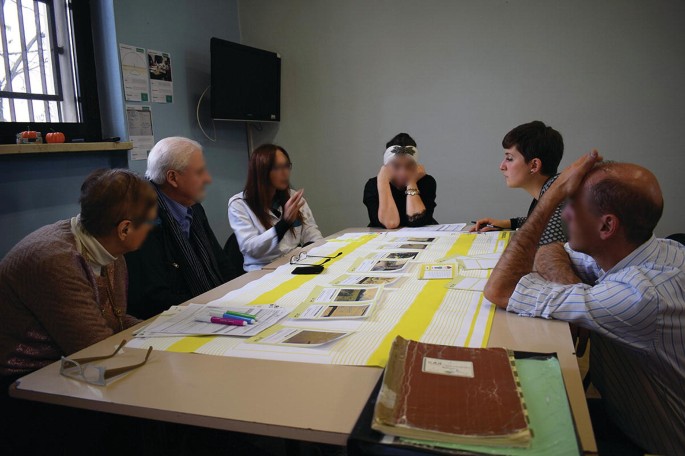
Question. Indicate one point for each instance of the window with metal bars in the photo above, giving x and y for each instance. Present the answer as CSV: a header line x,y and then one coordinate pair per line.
x,y
47,71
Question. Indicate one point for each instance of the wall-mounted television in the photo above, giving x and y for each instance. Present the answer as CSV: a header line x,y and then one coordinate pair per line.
x,y
246,83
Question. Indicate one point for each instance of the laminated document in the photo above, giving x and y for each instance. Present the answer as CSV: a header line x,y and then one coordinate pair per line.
x,y
183,321
332,303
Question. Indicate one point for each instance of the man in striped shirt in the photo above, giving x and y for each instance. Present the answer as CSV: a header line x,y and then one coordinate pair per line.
x,y
617,280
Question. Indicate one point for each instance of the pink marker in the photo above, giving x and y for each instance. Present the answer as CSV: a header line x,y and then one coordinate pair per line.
x,y
222,321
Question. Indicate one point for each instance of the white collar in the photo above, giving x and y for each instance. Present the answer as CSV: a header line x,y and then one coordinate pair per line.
x,y
634,258
97,256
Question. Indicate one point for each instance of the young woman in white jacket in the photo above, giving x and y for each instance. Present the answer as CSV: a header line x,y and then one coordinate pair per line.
x,y
269,218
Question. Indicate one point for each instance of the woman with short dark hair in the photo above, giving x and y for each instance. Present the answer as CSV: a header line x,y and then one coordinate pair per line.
x,y
532,153
269,218
63,287
402,194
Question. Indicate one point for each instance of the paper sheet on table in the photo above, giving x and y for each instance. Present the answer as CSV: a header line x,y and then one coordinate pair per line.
x,y
379,265
367,279
182,322
447,228
351,236
467,283
477,263
436,271
410,239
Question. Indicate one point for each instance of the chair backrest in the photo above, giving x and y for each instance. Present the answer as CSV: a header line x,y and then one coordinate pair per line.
x,y
679,237
232,250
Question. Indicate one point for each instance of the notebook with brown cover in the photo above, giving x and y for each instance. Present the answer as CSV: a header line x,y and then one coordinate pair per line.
x,y
452,394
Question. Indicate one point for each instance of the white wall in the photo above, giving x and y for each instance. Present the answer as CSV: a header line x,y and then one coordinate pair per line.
x,y
457,75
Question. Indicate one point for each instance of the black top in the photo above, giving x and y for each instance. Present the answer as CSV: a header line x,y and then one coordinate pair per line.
x,y
555,231
155,271
427,191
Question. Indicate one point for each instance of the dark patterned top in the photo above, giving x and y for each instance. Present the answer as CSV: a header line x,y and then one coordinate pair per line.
x,y
555,230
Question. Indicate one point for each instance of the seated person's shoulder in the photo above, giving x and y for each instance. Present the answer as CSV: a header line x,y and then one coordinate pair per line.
x,y
237,200
49,247
371,185
427,178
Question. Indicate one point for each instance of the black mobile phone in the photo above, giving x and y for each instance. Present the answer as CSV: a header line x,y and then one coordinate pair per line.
x,y
313,269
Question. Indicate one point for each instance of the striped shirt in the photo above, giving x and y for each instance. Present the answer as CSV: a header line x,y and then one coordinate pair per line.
x,y
636,312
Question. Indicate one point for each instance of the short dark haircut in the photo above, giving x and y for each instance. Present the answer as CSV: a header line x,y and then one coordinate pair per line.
x,y
401,139
109,196
638,213
537,140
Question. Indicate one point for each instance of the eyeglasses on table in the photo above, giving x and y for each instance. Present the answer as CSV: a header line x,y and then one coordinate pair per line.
x,y
81,368
300,257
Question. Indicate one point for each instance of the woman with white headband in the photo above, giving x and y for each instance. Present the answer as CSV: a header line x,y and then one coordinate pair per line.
x,y
402,194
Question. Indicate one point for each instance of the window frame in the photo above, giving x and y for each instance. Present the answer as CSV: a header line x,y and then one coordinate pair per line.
x,y
90,127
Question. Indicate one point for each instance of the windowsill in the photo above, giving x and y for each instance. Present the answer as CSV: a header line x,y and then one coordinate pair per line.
x,y
15,149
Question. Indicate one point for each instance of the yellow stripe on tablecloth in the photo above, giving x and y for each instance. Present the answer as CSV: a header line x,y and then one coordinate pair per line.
x,y
416,319
189,344
503,236
297,281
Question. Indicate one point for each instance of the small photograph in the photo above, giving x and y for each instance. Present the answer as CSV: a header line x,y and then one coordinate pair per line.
x,y
159,65
389,265
308,337
356,294
375,280
401,255
426,240
421,239
413,246
345,311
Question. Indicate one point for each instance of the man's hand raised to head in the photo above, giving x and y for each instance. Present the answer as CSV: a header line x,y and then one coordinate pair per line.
x,y
517,259
570,179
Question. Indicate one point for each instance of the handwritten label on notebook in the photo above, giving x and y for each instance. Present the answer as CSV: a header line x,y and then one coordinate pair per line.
x,y
448,367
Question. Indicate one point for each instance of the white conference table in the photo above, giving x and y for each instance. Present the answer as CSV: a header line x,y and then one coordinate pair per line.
x,y
310,402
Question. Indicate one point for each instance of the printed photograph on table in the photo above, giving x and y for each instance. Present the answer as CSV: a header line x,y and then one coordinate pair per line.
x,y
398,246
348,279
374,264
334,294
307,311
399,255
437,271
287,336
423,240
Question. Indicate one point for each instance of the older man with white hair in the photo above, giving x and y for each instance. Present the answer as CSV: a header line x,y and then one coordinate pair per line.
x,y
181,257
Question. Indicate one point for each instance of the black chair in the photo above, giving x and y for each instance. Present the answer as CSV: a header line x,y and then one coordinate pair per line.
x,y
232,250
679,237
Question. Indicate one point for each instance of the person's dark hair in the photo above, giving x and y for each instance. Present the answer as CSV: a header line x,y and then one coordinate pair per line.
x,y
638,213
401,139
537,140
109,196
258,186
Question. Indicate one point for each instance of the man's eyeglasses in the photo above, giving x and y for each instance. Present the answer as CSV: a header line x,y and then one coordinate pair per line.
x,y
287,166
80,369
297,259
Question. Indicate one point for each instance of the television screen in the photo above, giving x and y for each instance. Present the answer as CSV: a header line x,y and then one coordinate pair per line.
x,y
246,83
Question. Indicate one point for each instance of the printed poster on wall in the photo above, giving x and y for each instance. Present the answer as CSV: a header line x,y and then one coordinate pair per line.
x,y
139,120
161,82
134,70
